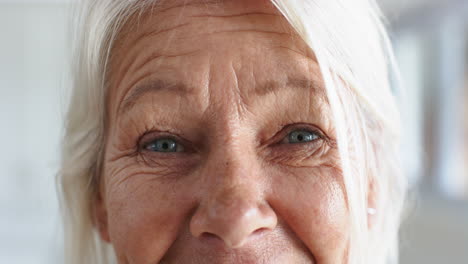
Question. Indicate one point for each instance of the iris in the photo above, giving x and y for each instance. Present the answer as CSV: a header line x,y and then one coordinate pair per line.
x,y
163,145
301,136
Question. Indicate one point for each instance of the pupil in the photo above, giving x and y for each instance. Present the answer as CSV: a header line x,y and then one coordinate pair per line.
x,y
300,137
165,145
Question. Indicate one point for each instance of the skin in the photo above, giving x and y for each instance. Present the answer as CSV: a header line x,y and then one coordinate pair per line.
x,y
228,82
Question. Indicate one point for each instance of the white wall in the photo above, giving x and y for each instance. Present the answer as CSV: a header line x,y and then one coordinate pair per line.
x,y
436,232
32,63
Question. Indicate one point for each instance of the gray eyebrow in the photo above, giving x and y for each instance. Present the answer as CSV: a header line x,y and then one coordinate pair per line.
x,y
300,83
151,87
179,88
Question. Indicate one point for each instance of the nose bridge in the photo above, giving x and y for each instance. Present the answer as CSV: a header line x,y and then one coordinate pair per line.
x,y
232,165
232,155
232,182
232,206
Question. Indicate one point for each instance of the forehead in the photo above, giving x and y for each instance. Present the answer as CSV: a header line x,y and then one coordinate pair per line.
x,y
171,25
175,25
176,40
163,15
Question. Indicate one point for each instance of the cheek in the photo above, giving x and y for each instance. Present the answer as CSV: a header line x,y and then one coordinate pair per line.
x,y
145,214
312,202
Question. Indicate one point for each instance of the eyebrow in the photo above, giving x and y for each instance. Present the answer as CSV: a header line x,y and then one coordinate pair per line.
x,y
154,86
157,86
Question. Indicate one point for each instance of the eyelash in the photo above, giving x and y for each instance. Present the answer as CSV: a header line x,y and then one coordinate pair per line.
x,y
147,138
276,140
286,130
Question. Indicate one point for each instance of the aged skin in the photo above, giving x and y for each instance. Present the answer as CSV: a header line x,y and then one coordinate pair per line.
x,y
220,145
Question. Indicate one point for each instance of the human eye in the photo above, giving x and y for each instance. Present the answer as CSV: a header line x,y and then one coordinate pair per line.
x,y
298,145
161,144
164,149
164,145
298,136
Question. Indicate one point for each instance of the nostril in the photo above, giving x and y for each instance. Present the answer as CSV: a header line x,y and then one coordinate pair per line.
x,y
260,231
209,236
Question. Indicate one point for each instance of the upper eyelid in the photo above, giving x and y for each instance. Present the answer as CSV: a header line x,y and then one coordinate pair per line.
x,y
301,127
314,131
279,135
276,139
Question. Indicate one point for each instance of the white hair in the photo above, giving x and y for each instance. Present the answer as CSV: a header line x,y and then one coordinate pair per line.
x,y
355,58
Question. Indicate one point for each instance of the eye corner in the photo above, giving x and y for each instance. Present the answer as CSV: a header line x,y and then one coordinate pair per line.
x,y
332,143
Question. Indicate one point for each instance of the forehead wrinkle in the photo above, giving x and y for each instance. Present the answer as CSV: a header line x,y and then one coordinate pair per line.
x,y
146,60
162,8
308,54
135,43
160,30
246,31
242,14
155,32
241,100
155,11
156,56
144,76
134,49
132,26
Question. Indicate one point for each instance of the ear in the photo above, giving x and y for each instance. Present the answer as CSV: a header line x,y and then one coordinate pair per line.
x,y
99,211
372,198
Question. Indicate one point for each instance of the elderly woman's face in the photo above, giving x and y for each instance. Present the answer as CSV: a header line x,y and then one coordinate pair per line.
x,y
220,146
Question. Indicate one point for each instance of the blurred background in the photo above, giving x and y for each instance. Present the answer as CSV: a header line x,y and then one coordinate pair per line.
x,y
431,44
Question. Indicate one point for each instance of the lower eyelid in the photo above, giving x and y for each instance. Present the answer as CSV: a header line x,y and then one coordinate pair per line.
x,y
157,159
167,164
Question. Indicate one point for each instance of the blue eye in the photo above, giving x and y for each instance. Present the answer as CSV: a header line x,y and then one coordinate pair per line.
x,y
301,136
164,145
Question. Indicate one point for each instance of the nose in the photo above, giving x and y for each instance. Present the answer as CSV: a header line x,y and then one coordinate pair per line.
x,y
233,215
